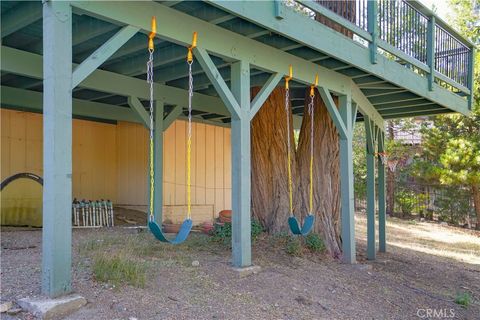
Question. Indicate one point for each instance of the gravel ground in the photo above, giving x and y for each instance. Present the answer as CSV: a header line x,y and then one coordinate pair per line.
x,y
400,284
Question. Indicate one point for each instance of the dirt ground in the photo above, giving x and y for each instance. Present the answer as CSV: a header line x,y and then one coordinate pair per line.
x,y
427,265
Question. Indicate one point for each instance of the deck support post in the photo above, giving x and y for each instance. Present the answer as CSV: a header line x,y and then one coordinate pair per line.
x,y
372,25
158,162
371,133
57,149
346,182
382,243
241,167
344,118
237,101
431,51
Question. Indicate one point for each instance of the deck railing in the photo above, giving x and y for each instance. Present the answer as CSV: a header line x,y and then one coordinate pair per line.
x,y
406,31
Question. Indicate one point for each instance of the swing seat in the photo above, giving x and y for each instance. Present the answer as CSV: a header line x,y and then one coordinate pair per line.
x,y
306,228
181,236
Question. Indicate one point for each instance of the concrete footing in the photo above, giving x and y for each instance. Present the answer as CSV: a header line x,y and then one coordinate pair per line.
x,y
246,271
52,308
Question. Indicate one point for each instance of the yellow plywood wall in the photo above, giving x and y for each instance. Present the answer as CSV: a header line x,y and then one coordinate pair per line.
x,y
93,153
211,165
111,161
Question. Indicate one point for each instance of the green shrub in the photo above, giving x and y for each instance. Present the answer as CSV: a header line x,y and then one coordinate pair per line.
x,y
314,243
294,246
407,201
463,299
118,269
223,232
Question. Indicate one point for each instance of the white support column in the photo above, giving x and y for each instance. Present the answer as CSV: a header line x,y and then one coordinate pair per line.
x,y
57,148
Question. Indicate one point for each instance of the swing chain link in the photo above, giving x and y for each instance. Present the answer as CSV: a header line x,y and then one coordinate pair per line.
x,y
312,120
289,167
189,141
150,82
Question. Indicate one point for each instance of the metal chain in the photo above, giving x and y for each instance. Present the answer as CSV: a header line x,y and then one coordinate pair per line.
x,y
189,141
150,82
289,168
311,113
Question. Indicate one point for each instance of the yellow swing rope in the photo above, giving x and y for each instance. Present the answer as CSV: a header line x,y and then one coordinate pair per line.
x,y
151,49
289,156
311,112
189,141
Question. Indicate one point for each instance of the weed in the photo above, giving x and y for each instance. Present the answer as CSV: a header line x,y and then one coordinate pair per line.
x,y
463,299
119,269
223,232
314,243
294,246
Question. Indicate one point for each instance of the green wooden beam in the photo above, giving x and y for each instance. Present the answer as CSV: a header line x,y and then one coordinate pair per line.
x,y
370,131
216,78
158,163
139,109
372,21
334,113
100,55
30,65
382,242
409,109
172,116
241,166
346,182
217,40
369,93
394,97
57,149
24,14
28,100
264,93
431,51
365,106
419,113
412,104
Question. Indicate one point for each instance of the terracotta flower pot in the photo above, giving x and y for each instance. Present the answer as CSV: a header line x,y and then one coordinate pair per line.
x,y
171,227
225,216
207,227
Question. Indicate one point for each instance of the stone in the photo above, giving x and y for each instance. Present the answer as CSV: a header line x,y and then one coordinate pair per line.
x,y
14,311
4,307
246,271
52,308
195,263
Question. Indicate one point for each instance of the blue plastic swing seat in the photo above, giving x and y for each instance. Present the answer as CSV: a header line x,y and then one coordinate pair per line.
x,y
181,236
307,225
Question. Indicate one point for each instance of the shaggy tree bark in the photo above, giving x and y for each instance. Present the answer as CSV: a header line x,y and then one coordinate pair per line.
x,y
390,179
270,203
326,174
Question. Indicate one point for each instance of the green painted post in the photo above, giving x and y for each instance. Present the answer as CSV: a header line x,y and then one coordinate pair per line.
x,y
278,9
241,167
372,25
158,162
370,154
346,183
57,149
382,242
431,51
471,74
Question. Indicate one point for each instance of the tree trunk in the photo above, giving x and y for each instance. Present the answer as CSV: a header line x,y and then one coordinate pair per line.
x,y
270,203
390,179
326,174
476,204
